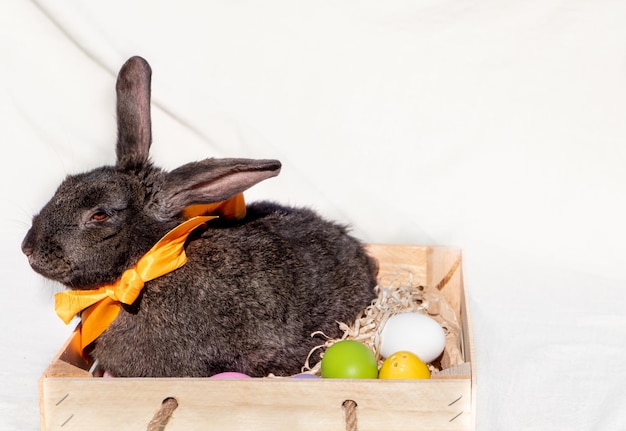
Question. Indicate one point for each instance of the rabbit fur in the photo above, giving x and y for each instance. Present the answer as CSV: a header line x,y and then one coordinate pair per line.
x,y
253,290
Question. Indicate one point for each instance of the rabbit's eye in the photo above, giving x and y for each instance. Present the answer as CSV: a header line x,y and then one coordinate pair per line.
x,y
99,216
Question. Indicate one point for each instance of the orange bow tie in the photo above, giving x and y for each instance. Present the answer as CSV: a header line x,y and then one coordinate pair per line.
x,y
101,306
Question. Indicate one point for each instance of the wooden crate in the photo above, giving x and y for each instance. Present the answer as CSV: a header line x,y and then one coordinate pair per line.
x,y
71,399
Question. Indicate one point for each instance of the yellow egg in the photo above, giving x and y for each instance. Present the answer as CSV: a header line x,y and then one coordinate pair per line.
x,y
404,365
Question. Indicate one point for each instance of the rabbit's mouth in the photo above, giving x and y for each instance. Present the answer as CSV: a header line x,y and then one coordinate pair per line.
x,y
35,263
56,273
53,264
60,271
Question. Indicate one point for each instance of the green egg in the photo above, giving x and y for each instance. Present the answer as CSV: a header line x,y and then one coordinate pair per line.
x,y
349,359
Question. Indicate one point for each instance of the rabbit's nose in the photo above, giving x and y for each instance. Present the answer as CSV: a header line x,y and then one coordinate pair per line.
x,y
27,244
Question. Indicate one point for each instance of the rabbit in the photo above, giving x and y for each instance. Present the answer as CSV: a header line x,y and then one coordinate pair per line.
x,y
252,291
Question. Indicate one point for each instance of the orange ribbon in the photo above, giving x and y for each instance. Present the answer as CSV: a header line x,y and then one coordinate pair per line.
x,y
233,208
101,306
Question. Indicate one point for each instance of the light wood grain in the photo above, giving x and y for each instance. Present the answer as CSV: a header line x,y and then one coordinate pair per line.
x,y
259,404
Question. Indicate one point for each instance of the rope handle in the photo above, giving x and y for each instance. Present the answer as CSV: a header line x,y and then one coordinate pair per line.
x,y
163,415
349,407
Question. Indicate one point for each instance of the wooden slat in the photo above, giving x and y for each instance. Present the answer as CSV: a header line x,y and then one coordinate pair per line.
x,y
259,404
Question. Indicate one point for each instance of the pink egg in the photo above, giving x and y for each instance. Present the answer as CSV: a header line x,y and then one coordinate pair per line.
x,y
305,376
230,375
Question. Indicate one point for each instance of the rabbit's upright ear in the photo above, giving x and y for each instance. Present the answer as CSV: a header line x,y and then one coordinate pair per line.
x,y
134,131
212,180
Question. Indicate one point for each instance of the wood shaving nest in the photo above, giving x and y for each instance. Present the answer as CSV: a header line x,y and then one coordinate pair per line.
x,y
395,298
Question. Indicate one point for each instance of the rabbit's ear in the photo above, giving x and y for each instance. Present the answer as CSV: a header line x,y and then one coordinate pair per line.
x,y
213,180
134,134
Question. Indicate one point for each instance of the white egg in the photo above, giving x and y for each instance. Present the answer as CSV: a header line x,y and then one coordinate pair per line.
x,y
414,332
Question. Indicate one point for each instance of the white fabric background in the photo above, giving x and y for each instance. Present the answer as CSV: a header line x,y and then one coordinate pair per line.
x,y
498,127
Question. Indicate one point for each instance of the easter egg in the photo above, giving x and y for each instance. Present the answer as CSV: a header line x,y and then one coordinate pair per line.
x,y
412,332
230,375
404,365
305,376
349,359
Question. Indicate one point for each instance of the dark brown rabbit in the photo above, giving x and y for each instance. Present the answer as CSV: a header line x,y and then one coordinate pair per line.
x,y
253,290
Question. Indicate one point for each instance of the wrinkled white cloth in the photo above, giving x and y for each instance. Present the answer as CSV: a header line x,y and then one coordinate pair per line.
x,y
497,127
